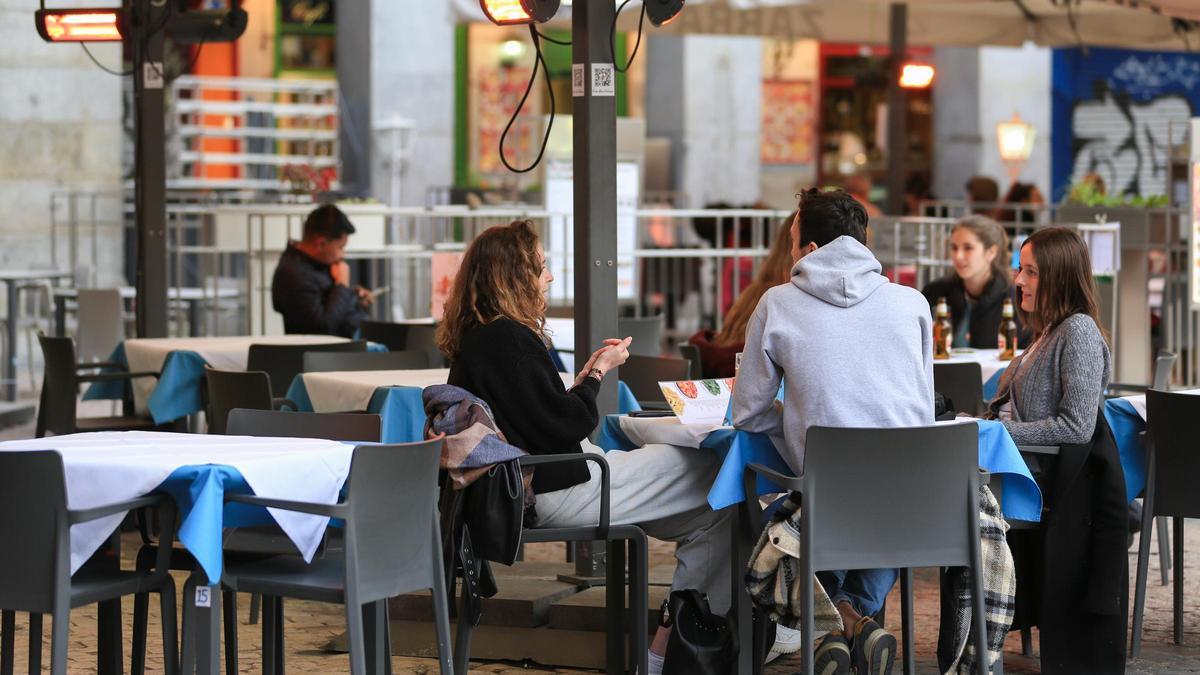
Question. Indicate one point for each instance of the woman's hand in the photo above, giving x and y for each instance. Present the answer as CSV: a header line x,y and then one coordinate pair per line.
x,y
613,355
593,360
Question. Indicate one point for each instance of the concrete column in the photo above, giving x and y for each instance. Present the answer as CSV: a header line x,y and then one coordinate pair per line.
x,y
957,141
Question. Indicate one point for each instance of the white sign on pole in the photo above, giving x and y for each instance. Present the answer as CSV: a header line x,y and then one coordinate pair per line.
x,y
1194,211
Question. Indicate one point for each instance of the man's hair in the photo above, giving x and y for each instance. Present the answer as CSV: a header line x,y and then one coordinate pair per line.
x,y
827,215
328,222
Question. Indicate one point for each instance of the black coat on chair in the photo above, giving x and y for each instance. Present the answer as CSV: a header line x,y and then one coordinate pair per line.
x,y
1073,572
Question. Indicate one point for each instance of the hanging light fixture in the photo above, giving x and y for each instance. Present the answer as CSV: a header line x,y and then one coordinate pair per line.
x,y
663,12
515,12
916,76
79,24
1014,139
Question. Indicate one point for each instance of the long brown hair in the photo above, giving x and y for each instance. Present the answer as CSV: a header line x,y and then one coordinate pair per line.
x,y
989,233
498,279
1065,283
775,270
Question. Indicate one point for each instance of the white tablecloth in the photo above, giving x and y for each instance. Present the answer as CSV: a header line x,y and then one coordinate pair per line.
x,y
1139,402
108,467
642,431
352,390
224,353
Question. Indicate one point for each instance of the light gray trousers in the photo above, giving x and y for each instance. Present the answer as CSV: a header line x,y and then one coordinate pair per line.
x,y
664,490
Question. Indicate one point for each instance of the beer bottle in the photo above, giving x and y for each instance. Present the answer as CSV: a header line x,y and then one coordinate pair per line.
x,y
943,331
1007,339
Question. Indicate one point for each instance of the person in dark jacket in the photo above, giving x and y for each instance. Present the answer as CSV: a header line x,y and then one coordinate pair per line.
x,y
311,287
980,283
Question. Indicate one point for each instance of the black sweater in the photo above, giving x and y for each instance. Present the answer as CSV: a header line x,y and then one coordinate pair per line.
x,y
304,293
507,365
985,315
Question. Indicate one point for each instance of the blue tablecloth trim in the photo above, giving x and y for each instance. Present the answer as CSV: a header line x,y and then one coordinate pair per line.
x,y
113,389
626,402
1126,424
403,413
992,384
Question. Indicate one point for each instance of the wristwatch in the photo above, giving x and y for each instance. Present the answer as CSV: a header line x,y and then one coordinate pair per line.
x,y
596,373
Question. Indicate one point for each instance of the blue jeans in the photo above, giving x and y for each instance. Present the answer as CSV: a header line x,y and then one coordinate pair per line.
x,y
865,590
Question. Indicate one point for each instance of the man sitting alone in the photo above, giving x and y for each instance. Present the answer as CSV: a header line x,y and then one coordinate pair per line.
x,y
855,351
311,287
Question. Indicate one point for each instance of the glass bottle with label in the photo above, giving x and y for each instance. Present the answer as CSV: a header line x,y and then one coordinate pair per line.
x,y
943,331
1007,339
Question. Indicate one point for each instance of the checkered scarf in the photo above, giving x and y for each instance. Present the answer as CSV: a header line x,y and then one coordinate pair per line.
x,y
771,579
473,443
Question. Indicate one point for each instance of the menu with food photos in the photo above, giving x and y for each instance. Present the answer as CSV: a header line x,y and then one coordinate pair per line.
x,y
699,401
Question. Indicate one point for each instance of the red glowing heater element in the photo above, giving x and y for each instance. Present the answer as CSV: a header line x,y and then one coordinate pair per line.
x,y
514,12
916,76
79,25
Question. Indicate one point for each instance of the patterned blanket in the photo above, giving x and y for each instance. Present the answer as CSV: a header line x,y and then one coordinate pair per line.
x,y
472,442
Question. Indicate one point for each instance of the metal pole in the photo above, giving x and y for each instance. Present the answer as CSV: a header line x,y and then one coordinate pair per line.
x,y
150,185
595,170
897,140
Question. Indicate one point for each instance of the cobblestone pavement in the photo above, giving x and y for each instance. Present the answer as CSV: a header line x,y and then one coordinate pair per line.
x,y
311,625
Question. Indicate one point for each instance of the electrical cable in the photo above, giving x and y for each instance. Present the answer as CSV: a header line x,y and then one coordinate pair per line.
x,y
101,66
547,38
537,47
612,37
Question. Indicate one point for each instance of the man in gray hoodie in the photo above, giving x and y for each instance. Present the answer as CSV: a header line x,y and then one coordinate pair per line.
x,y
855,351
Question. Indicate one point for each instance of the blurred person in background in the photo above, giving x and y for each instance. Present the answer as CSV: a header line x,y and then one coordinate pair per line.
x,y
859,186
1020,194
984,192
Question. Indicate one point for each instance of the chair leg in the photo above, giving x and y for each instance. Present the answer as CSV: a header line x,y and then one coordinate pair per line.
x,y
441,609
1143,560
170,632
1027,642
979,620
374,626
1178,595
255,605
906,620
614,608
462,633
35,644
229,615
639,601
8,626
1164,548
141,608
59,635
280,661
806,620
187,643
355,633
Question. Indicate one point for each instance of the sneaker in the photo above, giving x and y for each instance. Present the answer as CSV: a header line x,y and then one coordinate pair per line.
x,y
833,655
787,641
873,650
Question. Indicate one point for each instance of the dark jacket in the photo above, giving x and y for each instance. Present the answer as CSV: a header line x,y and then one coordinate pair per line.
x,y
715,361
508,367
304,293
985,315
1073,571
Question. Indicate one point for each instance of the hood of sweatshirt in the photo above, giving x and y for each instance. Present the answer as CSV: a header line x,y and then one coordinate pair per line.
x,y
842,273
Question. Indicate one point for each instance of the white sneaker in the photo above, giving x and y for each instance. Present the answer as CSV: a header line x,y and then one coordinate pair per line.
x,y
787,641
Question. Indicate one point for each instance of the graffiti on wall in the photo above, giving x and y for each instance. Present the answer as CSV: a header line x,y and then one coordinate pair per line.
x,y
1117,113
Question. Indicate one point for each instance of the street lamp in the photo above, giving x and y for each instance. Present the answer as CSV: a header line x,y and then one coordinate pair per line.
x,y
1015,141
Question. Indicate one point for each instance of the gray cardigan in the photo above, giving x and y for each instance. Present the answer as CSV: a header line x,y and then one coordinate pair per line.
x,y
1056,394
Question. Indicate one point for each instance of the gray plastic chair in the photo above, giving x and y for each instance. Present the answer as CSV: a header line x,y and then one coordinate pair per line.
x,y
410,359
34,572
350,427
1171,478
394,336
393,546
691,353
962,383
843,529
643,373
647,333
284,362
230,389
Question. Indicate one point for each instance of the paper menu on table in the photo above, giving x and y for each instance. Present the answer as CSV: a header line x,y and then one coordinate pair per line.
x,y
699,401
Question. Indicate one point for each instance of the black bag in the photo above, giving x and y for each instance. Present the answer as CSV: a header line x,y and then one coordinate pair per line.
x,y
701,643
494,511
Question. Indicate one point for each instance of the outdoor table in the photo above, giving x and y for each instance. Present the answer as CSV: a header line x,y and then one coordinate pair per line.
x,y
181,361
197,471
12,280
1126,417
394,394
989,363
193,297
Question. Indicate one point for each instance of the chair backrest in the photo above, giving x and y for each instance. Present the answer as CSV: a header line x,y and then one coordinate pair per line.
x,y
913,501
692,354
647,334
60,385
1171,420
284,362
390,529
391,335
1163,363
101,327
643,373
231,389
321,362
962,383
423,338
32,484
360,427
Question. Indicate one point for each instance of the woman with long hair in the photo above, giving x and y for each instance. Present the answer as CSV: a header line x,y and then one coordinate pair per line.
x,y
980,283
494,334
718,350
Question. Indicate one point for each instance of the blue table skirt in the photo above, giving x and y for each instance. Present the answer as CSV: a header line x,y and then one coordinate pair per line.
x,y
997,454
1126,424
177,393
992,384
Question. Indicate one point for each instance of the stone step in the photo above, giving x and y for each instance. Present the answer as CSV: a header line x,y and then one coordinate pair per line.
x,y
584,611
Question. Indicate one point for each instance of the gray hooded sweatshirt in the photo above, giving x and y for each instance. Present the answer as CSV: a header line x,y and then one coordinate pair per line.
x,y
855,351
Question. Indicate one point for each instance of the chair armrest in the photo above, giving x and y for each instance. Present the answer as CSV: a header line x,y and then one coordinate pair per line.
x,y
786,482
101,364
1038,449
85,515
110,377
331,510
1124,388
574,458
278,403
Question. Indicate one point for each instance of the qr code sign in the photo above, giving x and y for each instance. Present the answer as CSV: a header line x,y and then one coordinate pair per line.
x,y
604,81
578,80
